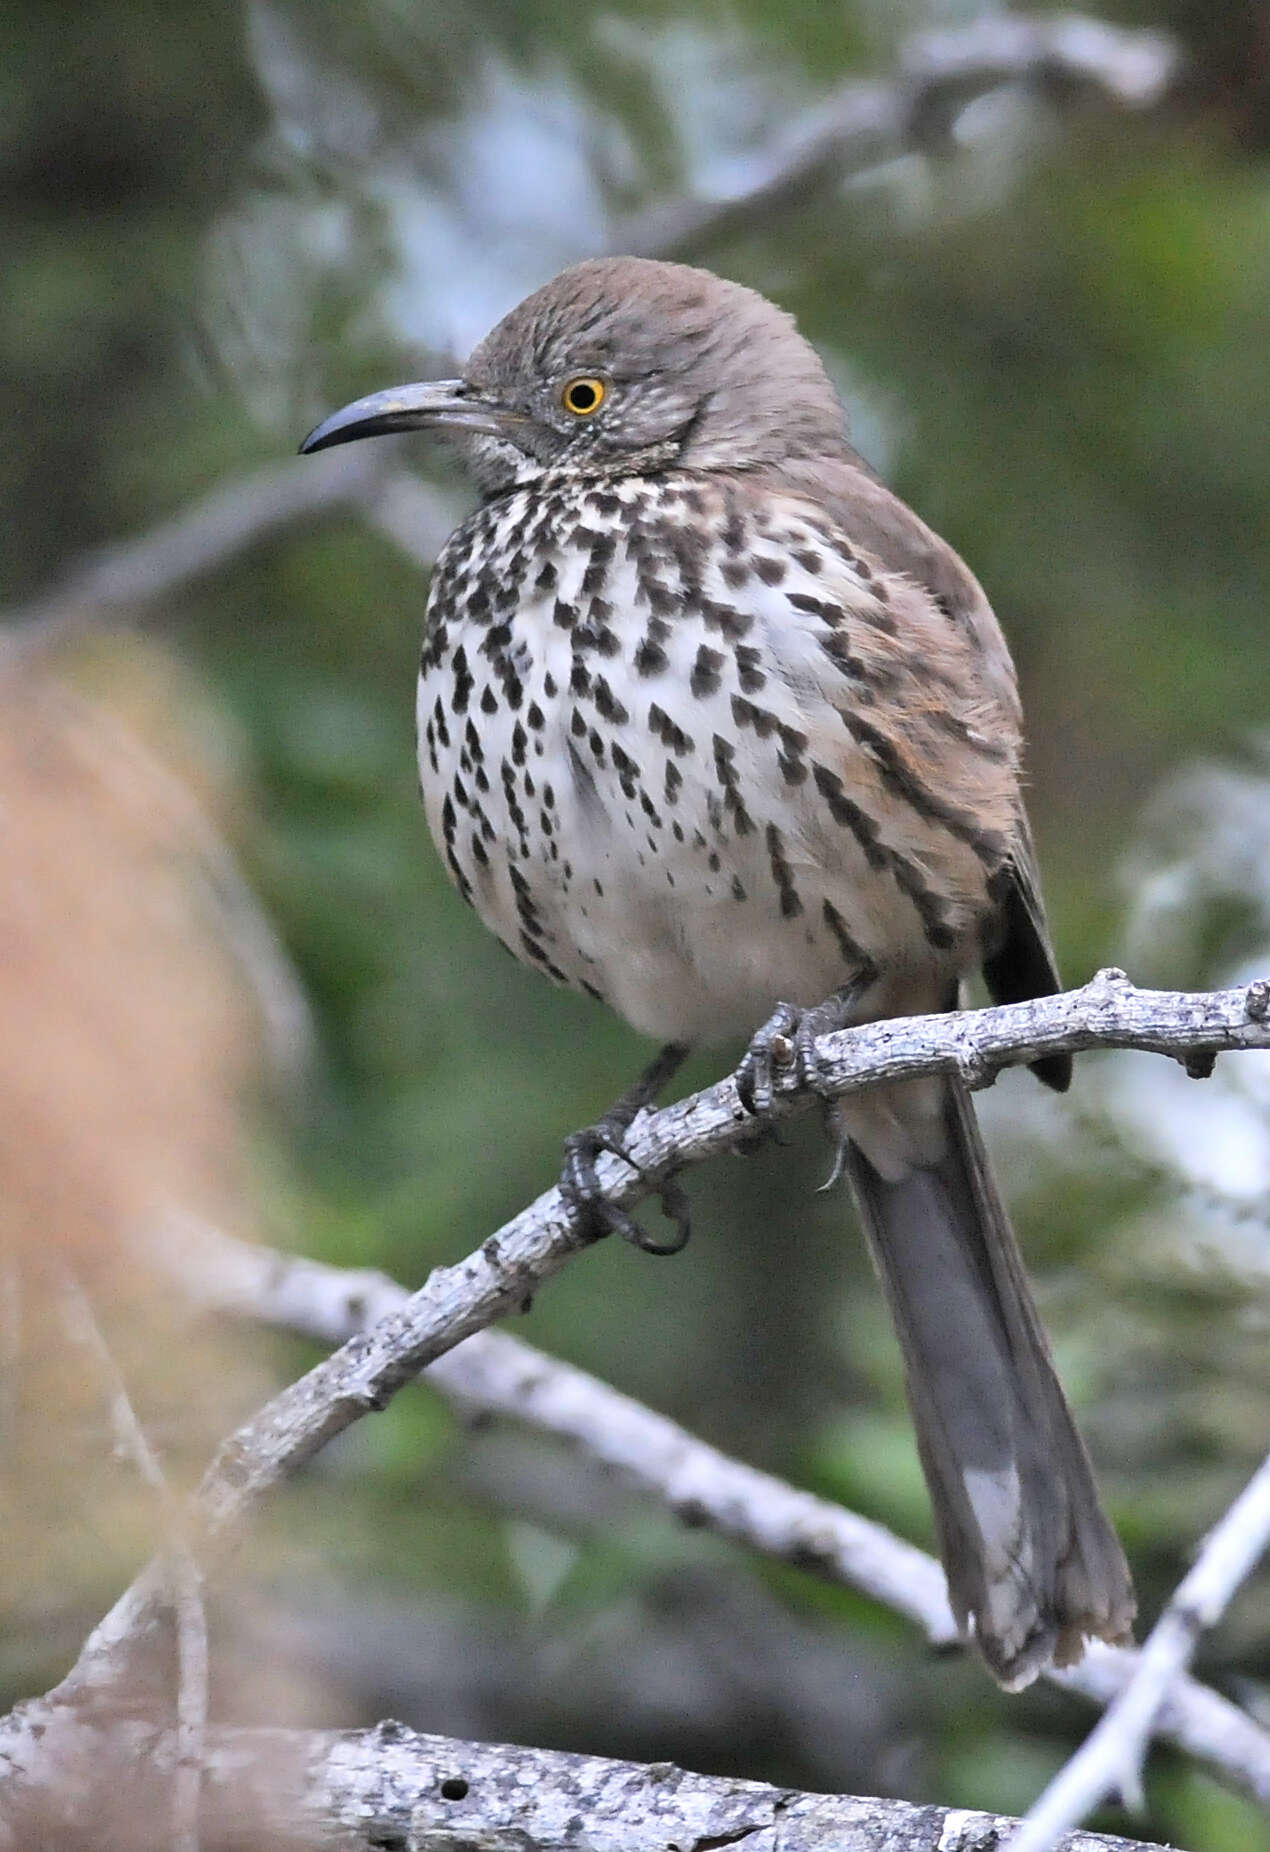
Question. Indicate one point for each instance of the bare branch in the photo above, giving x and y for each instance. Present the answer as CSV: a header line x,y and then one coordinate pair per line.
x,y
1130,67
184,1576
135,575
1110,1760
864,123
452,1796
395,1787
492,1373
367,1371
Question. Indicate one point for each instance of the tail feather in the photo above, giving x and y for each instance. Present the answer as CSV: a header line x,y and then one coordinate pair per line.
x,y
1033,1564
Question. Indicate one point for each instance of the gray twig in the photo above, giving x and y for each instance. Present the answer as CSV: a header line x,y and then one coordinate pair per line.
x,y
133,575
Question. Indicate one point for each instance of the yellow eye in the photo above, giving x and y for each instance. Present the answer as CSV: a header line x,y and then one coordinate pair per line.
x,y
584,395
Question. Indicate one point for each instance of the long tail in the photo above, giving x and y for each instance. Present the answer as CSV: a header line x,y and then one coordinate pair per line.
x,y
1033,1564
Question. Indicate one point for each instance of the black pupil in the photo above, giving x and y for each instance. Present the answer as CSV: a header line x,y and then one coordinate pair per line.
x,y
583,397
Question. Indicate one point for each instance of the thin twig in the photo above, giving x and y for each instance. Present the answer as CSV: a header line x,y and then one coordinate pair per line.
x,y
133,575
1109,1761
184,1575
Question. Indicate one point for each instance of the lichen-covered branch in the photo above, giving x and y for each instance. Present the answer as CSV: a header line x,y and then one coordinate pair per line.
x,y
368,1790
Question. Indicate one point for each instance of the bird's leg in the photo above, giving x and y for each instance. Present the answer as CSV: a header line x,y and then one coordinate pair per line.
x,y
788,1039
580,1186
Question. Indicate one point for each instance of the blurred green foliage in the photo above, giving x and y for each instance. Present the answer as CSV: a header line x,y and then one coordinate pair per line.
x,y
210,215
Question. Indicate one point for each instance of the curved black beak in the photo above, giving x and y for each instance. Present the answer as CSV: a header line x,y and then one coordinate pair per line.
x,y
430,402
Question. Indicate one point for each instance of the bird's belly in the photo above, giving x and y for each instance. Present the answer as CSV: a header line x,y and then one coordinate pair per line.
x,y
671,870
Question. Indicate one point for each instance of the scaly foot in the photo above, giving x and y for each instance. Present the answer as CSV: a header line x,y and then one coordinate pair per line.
x,y
788,1040
594,1215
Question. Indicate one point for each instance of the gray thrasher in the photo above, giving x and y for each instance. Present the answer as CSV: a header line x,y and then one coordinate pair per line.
x,y
713,727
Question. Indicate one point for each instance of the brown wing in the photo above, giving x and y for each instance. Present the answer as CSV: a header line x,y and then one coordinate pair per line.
x,y
1021,963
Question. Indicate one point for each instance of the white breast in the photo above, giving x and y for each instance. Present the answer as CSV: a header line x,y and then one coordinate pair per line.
x,y
624,765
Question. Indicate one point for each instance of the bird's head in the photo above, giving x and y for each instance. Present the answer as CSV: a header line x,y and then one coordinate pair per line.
x,y
621,365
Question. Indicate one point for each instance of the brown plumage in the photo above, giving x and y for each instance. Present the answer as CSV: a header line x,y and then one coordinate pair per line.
x,y
711,723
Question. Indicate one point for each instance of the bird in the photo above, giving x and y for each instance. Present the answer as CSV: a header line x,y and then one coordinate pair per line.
x,y
713,728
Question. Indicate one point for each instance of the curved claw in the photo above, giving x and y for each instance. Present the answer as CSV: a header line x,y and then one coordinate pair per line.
x,y
838,1169
595,1215
674,1206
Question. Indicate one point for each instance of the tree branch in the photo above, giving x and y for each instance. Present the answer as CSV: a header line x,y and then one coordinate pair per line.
x,y
1111,1758
134,575
492,1373
362,1790
866,122
367,1371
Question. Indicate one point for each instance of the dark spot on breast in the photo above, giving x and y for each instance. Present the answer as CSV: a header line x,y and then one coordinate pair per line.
x,y
829,613
650,657
463,680
607,704
749,673
704,679
725,618
667,732
783,874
